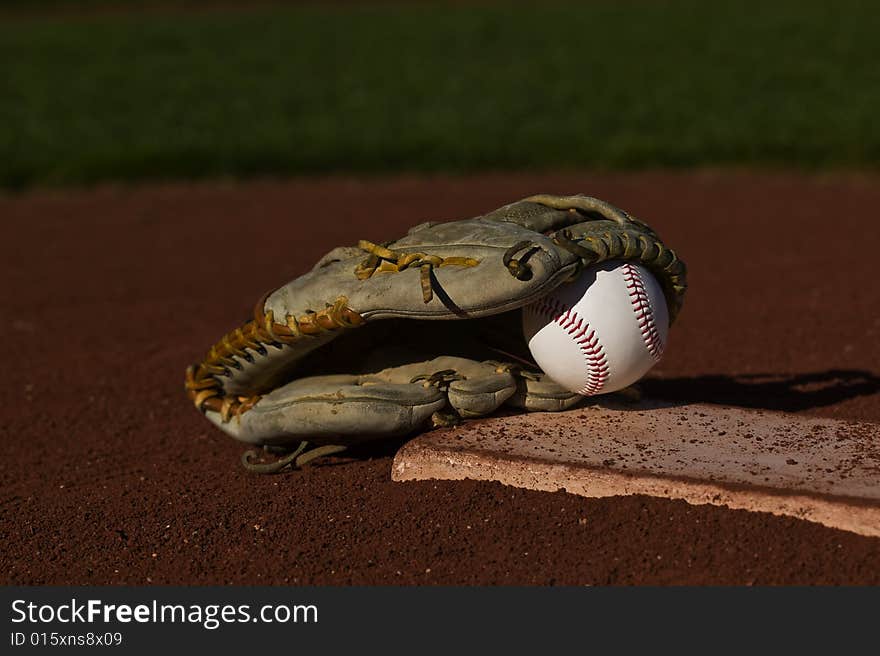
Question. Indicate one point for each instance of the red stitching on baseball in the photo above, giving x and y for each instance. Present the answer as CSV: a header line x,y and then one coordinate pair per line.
x,y
638,296
585,337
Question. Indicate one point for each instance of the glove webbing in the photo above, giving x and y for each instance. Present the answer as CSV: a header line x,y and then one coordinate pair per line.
x,y
203,387
632,246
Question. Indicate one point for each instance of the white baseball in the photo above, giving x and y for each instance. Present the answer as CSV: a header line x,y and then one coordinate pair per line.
x,y
601,332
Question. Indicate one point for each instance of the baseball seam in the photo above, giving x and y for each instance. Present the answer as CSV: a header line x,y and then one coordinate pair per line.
x,y
643,310
584,336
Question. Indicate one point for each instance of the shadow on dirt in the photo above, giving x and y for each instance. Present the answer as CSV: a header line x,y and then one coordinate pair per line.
x,y
381,448
766,391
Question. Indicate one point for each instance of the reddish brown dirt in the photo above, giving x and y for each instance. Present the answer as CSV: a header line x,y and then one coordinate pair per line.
x,y
110,476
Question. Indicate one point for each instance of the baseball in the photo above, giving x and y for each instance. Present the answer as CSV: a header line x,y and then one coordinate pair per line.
x,y
601,332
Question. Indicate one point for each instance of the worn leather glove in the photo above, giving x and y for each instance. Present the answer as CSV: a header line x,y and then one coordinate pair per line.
x,y
385,340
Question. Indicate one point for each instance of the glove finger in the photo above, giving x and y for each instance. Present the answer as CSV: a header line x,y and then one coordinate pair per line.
x,y
481,395
337,409
542,395
473,388
546,212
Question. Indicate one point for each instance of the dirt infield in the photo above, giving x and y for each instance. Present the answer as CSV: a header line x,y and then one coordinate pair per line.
x,y
110,476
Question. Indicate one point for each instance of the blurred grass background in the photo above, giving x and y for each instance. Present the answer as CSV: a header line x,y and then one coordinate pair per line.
x,y
353,88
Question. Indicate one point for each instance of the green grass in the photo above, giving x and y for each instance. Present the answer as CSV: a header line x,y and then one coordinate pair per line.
x,y
602,85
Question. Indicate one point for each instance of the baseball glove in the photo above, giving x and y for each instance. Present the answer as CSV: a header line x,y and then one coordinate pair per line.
x,y
381,340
